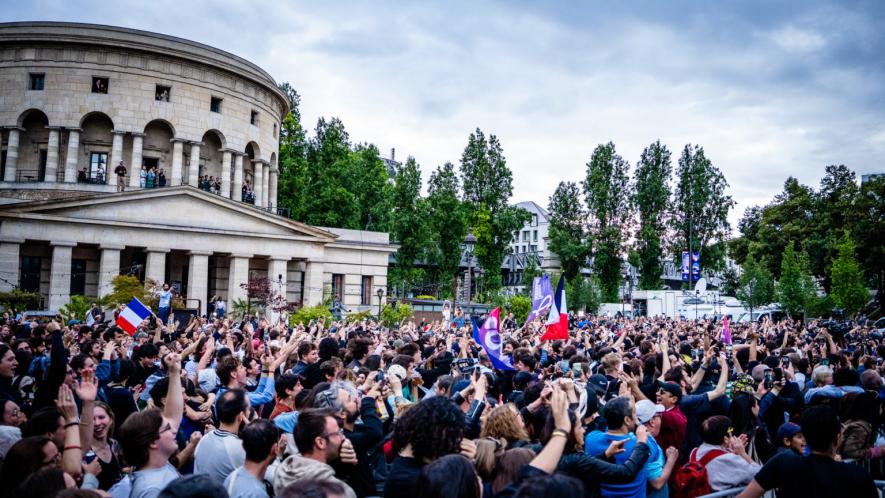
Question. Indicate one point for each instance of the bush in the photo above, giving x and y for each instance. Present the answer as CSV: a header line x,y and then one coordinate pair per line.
x,y
305,314
125,287
425,297
77,308
520,305
358,317
393,314
18,300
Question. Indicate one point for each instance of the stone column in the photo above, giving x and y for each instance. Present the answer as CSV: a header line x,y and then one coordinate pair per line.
x,y
238,273
198,279
60,274
238,177
10,263
52,155
155,265
73,156
109,267
116,156
12,154
135,167
193,172
258,182
313,283
265,186
177,161
272,193
277,271
225,173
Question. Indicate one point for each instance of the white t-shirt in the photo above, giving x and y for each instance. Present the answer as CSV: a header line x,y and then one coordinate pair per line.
x,y
218,454
241,484
150,482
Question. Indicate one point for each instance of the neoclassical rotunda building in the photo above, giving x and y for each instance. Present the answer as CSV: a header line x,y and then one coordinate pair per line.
x,y
197,130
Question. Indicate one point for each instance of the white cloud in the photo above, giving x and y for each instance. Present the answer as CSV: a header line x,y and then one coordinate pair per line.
x,y
793,39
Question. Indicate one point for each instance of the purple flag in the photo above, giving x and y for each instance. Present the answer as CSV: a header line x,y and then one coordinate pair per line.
x,y
542,297
488,337
726,331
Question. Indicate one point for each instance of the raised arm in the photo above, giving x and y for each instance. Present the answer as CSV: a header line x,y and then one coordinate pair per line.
x,y
174,408
723,379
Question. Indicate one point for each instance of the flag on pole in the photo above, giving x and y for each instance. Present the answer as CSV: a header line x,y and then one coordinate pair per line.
x,y
542,297
557,319
132,315
726,331
489,338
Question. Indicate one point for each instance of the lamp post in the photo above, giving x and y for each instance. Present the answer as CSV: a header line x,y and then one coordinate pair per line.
x,y
469,242
697,298
380,293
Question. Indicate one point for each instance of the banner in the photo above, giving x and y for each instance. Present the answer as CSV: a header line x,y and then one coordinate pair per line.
x,y
691,266
542,297
489,338
685,266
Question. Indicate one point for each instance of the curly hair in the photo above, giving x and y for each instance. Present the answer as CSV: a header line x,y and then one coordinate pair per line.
x,y
434,427
504,422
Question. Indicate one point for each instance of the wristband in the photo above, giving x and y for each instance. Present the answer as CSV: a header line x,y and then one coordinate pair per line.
x,y
71,447
71,424
265,371
560,432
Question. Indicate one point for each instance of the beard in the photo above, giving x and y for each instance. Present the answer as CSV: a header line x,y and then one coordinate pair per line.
x,y
351,417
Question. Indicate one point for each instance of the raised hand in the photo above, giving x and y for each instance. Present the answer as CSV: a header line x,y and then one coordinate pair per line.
x,y
615,447
87,388
642,434
559,408
346,453
173,363
66,404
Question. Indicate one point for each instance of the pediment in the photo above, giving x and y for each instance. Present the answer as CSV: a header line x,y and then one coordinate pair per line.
x,y
170,208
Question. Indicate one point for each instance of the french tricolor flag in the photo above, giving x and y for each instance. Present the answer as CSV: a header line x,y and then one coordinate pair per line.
x,y
557,319
132,315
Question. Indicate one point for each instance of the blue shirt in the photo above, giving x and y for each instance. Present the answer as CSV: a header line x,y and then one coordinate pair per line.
x,y
655,466
597,442
165,299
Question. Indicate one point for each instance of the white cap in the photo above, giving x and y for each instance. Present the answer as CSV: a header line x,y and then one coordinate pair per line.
x,y
646,410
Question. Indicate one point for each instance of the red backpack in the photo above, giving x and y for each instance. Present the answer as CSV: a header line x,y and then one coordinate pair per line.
x,y
691,479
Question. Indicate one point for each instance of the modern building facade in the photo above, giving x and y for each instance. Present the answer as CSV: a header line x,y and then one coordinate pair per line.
x,y
197,130
529,246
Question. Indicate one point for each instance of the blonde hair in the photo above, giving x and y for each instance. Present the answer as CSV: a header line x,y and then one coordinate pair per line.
x,y
503,422
488,450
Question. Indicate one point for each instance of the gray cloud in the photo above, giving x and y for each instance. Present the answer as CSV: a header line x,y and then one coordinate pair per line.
x,y
769,90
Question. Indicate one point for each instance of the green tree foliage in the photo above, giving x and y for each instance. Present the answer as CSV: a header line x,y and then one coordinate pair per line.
x,y
77,307
731,281
848,292
608,209
651,199
292,193
757,285
409,217
796,287
582,293
487,188
304,315
374,193
18,300
566,235
447,221
330,199
124,288
393,314
700,207
869,232
529,273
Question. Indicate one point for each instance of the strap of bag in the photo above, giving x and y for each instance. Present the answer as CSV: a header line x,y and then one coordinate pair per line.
x,y
710,455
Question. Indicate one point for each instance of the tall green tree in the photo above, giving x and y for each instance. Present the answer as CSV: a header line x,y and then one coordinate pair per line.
x,y
330,199
487,188
700,208
757,285
409,217
848,290
785,220
869,232
608,209
294,172
566,234
833,214
651,199
796,287
447,220
369,182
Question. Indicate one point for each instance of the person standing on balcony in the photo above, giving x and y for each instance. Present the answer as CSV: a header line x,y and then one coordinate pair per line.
x,y
120,171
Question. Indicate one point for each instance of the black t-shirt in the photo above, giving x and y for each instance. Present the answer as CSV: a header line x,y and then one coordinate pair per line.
x,y
815,477
402,478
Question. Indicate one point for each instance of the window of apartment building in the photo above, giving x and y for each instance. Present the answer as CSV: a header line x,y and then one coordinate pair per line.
x,y
29,281
533,248
215,104
275,130
534,235
366,290
36,81
162,93
100,84
534,220
525,236
78,277
98,166
253,118
338,286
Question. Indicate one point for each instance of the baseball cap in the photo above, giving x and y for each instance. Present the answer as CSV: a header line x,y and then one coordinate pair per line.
x,y
646,410
788,429
598,383
672,388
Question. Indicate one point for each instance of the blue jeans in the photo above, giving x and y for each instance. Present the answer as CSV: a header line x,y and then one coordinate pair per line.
x,y
163,314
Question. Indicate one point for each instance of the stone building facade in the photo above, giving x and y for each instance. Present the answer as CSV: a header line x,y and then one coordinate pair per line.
x,y
78,99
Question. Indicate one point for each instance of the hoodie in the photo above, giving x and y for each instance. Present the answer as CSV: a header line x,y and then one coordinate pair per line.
x,y
298,468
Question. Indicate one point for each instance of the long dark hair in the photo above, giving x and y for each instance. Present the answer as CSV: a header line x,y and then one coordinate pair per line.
x,y
741,414
23,459
451,476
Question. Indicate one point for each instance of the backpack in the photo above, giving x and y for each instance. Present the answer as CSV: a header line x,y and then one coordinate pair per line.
x,y
691,479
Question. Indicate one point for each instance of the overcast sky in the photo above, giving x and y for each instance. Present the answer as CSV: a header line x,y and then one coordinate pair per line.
x,y
769,89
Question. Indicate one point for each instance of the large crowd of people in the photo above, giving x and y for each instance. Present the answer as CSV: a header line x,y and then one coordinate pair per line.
x,y
625,407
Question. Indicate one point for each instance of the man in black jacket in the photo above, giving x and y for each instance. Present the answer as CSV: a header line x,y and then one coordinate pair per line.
x,y
341,397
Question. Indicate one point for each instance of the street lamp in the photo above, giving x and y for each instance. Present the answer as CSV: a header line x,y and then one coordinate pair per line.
x,y
697,298
380,293
469,242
